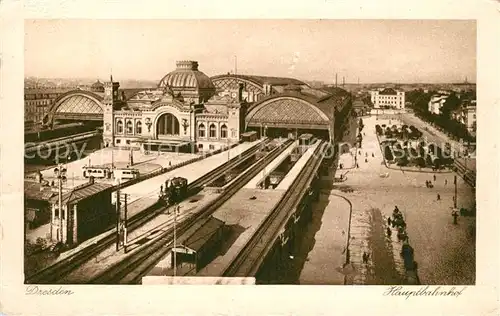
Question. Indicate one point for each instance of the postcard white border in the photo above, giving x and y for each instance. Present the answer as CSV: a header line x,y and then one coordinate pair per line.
x,y
232,300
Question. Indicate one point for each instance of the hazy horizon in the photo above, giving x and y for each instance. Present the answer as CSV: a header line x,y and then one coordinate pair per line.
x,y
376,51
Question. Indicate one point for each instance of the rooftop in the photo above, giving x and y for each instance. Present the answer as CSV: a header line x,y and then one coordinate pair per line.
x,y
202,235
388,91
186,75
35,191
298,106
261,80
82,192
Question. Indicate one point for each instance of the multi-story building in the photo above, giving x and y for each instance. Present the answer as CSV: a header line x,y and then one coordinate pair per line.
x,y
388,98
466,115
189,111
436,103
185,109
38,101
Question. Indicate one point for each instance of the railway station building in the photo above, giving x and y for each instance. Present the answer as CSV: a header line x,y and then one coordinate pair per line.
x,y
189,111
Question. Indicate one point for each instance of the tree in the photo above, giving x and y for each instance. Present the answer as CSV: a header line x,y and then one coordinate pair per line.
x,y
388,153
474,126
451,104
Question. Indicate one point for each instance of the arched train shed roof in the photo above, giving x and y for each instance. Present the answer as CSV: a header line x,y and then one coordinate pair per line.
x,y
297,109
261,80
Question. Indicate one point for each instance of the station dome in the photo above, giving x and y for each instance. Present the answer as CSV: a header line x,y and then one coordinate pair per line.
x,y
187,76
97,87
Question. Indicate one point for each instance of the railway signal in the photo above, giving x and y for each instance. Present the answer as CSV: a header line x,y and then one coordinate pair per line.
x,y
60,173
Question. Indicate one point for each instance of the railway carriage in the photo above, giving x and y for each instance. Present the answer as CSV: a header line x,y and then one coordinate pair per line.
x,y
126,173
306,139
97,172
249,136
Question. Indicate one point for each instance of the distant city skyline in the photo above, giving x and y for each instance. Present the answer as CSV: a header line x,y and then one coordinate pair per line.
x,y
375,51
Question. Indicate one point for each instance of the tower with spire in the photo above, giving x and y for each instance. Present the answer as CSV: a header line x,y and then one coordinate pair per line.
x,y
111,99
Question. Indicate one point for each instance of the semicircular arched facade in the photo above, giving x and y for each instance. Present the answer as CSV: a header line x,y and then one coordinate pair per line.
x,y
287,112
77,105
254,89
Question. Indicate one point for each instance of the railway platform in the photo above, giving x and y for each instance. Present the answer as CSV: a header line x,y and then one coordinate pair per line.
x,y
242,214
252,184
294,172
150,188
138,237
245,212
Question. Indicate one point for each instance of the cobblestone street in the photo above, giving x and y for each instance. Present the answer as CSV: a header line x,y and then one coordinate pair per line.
x,y
445,253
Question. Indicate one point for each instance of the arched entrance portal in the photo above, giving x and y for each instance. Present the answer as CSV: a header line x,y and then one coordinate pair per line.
x,y
167,125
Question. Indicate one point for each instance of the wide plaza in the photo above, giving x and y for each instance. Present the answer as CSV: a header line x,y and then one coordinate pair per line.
x,y
444,252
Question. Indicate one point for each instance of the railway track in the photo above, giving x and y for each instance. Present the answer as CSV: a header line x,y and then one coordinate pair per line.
x,y
141,260
248,260
63,267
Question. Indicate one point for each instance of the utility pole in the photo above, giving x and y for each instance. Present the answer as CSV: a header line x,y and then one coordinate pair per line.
x,y
455,199
126,224
335,80
60,173
175,240
60,206
118,217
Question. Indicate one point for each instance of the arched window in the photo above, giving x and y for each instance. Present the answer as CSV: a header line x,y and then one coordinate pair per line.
x,y
213,130
138,127
223,131
130,127
168,124
119,127
201,130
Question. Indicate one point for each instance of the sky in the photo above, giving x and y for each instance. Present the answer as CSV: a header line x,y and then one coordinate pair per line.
x,y
399,51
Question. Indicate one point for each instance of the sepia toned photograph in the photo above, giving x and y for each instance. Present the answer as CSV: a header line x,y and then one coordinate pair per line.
x,y
296,152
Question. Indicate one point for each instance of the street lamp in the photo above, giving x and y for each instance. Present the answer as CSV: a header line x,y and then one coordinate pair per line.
x,y
60,173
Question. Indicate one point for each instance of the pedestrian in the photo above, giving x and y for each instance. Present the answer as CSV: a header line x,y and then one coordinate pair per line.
x,y
359,152
455,216
445,181
389,221
389,232
170,164
161,188
434,178
366,256
438,197
357,165
373,155
366,160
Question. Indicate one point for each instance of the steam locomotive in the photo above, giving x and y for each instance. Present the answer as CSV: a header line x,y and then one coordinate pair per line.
x,y
174,191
